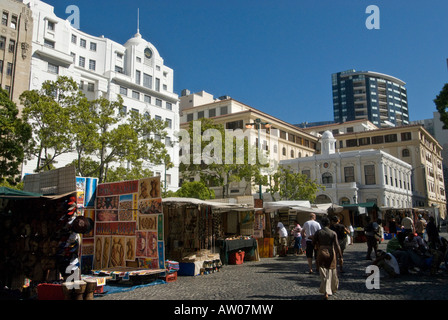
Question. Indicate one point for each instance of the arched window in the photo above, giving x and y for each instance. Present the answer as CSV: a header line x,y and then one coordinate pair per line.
x,y
405,153
292,153
284,151
327,178
322,198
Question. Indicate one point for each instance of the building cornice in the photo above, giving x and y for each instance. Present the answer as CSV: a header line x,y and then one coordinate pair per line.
x,y
250,110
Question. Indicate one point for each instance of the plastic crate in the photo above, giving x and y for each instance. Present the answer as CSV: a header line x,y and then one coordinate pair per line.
x,y
49,291
236,257
170,277
99,289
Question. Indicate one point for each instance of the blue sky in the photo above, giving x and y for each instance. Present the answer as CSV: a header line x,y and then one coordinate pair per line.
x,y
278,56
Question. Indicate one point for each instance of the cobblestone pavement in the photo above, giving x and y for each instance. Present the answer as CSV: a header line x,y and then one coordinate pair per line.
x,y
286,278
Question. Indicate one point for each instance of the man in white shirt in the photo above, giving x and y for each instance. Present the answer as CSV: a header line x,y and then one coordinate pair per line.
x,y
309,229
388,262
283,242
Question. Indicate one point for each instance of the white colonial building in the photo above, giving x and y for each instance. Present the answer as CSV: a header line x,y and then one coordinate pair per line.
x,y
103,67
356,176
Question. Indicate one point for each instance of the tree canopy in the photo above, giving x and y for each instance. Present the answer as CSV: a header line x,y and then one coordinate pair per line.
x,y
102,134
194,189
204,156
15,140
441,102
292,185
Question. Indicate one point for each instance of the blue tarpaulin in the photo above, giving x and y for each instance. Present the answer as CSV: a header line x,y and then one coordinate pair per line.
x,y
108,289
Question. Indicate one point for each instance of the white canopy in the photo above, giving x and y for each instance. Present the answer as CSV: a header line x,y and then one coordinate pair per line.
x,y
218,205
299,205
284,204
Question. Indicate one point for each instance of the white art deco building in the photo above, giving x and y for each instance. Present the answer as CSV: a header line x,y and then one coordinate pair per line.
x,y
103,67
356,176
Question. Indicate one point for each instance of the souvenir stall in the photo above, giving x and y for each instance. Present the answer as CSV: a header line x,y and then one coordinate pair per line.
x,y
358,215
239,243
287,212
264,233
196,231
128,235
40,242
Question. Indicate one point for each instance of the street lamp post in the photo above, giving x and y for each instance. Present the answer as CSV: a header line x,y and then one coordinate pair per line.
x,y
258,123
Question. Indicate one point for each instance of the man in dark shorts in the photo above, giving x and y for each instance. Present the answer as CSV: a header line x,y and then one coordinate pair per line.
x,y
341,232
309,229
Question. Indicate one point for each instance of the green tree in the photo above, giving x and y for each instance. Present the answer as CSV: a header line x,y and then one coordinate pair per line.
x,y
48,112
15,139
195,189
121,173
211,171
293,185
100,132
116,136
441,102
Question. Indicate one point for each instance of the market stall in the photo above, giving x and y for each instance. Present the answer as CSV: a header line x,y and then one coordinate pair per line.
x,y
358,215
195,231
287,212
231,247
40,239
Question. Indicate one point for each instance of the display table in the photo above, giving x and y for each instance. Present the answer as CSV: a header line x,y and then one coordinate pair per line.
x,y
136,275
250,246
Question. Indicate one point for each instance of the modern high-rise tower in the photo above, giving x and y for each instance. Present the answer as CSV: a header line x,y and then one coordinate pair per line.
x,y
380,98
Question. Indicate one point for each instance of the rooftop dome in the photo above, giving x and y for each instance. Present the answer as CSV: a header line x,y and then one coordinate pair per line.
x,y
140,43
327,135
137,39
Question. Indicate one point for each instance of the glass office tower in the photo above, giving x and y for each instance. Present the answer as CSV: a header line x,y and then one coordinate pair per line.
x,y
378,97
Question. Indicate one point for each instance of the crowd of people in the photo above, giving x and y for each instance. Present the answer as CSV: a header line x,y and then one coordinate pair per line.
x,y
412,247
418,247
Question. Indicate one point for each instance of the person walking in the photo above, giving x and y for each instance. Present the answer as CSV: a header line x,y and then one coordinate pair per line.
x,y
371,232
297,233
352,233
283,241
309,229
326,242
341,232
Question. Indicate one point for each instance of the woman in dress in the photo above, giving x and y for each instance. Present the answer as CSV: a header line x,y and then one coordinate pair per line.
x,y
326,242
